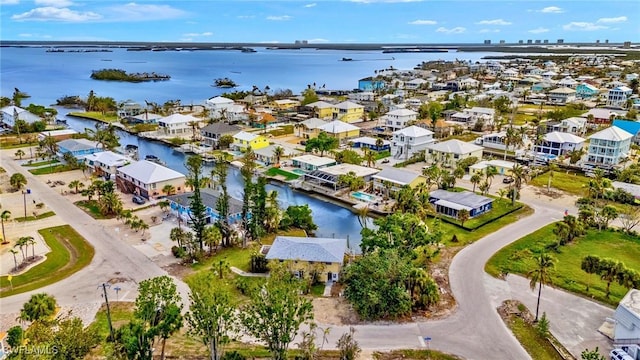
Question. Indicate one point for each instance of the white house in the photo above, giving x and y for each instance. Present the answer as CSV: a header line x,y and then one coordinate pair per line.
x,y
572,125
147,179
449,152
106,162
415,84
363,96
398,119
618,96
410,141
12,113
218,106
178,124
562,95
559,143
480,113
607,148
626,333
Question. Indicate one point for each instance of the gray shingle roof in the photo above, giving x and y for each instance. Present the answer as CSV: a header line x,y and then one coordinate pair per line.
x,y
308,249
398,176
464,198
209,199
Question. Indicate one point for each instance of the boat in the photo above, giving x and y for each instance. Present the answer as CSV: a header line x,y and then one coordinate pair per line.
x,y
346,59
155,159
248,50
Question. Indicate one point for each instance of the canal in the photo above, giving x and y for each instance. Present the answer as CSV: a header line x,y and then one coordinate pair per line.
x,y
333,220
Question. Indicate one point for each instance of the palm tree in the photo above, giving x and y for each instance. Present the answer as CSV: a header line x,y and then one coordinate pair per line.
x,y
463,215
552,169
6,214
369,156
75,184
15,260
39,307
520,174
21,243
540,275
19,154
143,225
591,265
278,152
475,180
608,270
18,180
169,189
489,173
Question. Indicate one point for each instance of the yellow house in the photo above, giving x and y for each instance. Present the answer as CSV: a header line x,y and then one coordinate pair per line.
x,y
285,104
324,256
244,140
349,112
390,180
339,130
322,109
449,153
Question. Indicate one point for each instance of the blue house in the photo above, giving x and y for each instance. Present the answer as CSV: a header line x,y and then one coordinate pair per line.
x,y
450,203
371,143
79,148
630,126
586,91
370,84
180,206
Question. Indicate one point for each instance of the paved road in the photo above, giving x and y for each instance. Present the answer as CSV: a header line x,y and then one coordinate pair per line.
x,y
114,258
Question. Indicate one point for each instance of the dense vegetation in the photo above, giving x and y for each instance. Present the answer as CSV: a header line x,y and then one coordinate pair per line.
x,y
121,75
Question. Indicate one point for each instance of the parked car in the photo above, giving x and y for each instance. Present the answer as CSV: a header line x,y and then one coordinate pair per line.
x,y
507,180
385,161
138,200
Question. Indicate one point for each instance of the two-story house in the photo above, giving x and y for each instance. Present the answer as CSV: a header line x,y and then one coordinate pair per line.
x,y
244,140
626,333
106,163
147,179
608,147
586,91
562,95
371,84
449,153
212,133
415,84
218,106
572,125
410,141
618,96
480,113
349,112
321,109
398,119
559,143
340,130
178,124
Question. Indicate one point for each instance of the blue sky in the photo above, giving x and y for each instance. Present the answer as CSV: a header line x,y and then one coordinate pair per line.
x,y
319,21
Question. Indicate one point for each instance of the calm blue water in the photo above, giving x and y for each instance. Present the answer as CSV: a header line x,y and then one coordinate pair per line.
x,y
49,76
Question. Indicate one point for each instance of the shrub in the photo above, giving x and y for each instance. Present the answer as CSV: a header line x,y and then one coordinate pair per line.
x,y
259,263
244,286
233,355
14,336
178,252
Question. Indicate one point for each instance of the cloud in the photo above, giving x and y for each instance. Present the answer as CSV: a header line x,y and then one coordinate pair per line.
x,y
246,16
552,10
618,19
455,30
484,31
318,40
279,18
56,14
423,22
539,30
204,34
144,12
54,3
582,26
9,2
310,5
493,22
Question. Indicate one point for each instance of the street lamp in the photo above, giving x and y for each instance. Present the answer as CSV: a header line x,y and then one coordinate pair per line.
x,y
24,200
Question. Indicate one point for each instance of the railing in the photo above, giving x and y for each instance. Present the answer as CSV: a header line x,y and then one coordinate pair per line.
x,y
617,342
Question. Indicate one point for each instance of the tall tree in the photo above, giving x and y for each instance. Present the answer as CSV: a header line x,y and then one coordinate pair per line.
x,y
591,265
540,275
6,214
248,167
219,175
276,312
322,143
17,181
40,307
198,212
609,271
212,315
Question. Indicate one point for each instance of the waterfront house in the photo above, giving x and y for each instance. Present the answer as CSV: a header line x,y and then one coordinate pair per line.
x,y
218,106
398,119
608,147
410,141
340,130
559,143
310,128
502,167
626,333
321,109
129,109
79,148
178,124
12,113
57,134
180,205
618,96
212,133
329,176
586,91
449,203
562,95
244,140
371,84
371,143
448,153
311,162
106,163
144,118
390,180
147,179
572,125
632,127
320,257
348,112
267,156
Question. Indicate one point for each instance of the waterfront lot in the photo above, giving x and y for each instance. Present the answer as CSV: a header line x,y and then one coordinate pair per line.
x,y
517,258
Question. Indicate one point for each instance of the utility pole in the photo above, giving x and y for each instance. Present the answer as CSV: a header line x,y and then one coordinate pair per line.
x,y
106,300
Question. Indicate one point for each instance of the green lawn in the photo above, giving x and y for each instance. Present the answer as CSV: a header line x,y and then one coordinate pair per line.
x,y
568,182
50,169
91,208
121,313
500,207
537,346
41,163
382,154
70,252
32,218
516,258
279,172
96,115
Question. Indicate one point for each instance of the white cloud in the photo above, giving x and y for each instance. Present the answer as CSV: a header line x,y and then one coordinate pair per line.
x,y
455,30
9,2
318,40
423,22
493,22
279,18
539,30
552,10
204,34
618,19
144,12
582,26
310,5
484,31
54,3
56,14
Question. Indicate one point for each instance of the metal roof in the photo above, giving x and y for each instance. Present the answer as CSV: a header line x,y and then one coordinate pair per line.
x,y
463,198
308,249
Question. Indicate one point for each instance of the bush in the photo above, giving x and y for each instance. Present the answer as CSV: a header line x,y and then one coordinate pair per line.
x,y
245,286
14,336
233,355
178,252
259,263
